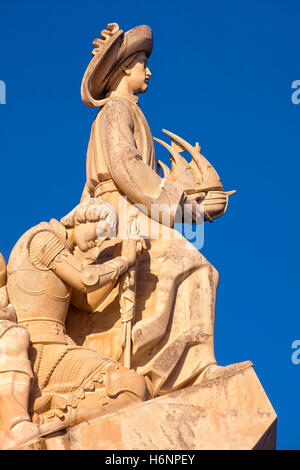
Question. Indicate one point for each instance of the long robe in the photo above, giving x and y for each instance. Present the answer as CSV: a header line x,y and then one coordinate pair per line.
x,y
172,338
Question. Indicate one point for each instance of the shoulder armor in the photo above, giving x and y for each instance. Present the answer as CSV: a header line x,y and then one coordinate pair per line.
x,y
43,248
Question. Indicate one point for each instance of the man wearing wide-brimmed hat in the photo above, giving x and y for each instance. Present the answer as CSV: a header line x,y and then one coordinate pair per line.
x,y
173,335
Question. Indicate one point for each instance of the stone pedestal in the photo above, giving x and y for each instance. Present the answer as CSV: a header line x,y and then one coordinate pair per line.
x,y
229,412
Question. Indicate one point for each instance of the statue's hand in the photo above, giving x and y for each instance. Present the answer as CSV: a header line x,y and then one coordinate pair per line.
x,y
213,204
192,208
141,245
8,313
131,247
129,250
197,197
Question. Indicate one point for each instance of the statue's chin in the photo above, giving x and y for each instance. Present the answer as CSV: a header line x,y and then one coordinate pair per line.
x,y
143,89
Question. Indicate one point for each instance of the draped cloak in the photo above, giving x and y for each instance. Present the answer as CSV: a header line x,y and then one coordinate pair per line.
x,y
171,273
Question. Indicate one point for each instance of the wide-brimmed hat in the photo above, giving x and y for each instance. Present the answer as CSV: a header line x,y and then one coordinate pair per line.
x,y
110,51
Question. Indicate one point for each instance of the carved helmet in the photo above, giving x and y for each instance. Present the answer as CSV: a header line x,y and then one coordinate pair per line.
x,y
110,51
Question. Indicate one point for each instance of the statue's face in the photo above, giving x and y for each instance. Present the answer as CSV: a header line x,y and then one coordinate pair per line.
x,y
85,235
139,74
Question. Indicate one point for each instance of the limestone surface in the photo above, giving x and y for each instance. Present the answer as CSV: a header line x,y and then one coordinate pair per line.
x,y
231,412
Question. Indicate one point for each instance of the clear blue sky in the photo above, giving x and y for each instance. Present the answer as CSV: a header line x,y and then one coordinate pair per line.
x,y
222,75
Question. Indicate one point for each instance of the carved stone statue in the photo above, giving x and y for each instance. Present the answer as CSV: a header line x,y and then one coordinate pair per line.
x,y
114,307
15,376
172,340
70,382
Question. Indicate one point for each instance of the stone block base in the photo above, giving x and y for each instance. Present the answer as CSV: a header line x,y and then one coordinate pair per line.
x,y
230,412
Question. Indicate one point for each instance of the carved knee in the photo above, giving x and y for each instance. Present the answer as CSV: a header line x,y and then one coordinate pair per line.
x,y
184,255
16,341
119,379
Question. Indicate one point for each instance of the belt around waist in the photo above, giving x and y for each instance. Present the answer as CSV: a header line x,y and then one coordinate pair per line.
x,y
43,330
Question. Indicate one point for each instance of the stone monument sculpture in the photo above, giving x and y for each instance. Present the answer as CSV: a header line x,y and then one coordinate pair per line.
x,y
118,305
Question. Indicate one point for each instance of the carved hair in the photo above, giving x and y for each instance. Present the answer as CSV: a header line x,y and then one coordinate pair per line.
x,y
91,210
121,68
